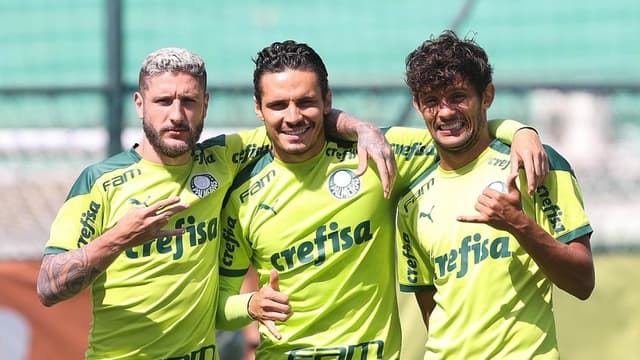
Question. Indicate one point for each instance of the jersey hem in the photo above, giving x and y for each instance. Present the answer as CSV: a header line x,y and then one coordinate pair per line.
x,y
416,288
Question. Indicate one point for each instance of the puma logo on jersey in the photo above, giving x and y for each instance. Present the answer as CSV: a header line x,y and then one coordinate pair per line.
x,y
263,206
137,202
427,215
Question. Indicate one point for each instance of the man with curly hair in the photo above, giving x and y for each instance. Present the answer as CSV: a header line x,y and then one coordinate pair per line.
x,y
480,253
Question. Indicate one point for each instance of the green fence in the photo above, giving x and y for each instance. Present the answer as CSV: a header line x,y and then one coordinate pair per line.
x,y
570,68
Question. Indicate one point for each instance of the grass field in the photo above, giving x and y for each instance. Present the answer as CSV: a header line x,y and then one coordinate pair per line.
x,y
606,326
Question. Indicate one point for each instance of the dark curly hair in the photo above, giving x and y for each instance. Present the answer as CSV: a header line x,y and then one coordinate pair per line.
x,y
288,54
440,62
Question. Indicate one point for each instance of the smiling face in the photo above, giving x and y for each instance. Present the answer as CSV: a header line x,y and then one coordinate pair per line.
x,y
172,107
456,117
293,110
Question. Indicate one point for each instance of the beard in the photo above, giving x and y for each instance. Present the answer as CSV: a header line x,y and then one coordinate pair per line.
x,y
172,151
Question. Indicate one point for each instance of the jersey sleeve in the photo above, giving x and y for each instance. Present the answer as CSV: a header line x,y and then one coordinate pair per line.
x,y
505,129
80,219
415,270
234,258
414,152
557,204
244,147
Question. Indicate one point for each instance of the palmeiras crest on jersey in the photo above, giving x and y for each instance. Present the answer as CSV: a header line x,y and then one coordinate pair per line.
x,y
343,184
498,186
203,184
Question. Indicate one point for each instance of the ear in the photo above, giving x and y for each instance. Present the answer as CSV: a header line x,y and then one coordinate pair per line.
x,y
327,102
206,105
139,103
257,109
416,105
488,95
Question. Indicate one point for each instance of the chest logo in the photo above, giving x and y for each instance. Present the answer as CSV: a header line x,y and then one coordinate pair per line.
x,y
343,184
203,184
498,186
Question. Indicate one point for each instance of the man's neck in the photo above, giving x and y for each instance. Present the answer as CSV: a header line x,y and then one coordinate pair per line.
x,y
453,160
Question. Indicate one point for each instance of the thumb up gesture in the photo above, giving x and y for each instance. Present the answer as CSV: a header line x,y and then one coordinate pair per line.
x,y
269,305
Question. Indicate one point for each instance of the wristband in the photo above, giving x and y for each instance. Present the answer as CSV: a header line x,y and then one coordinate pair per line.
x,y
248,302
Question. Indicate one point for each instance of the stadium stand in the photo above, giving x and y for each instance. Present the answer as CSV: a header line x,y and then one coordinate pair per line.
x,y
54,70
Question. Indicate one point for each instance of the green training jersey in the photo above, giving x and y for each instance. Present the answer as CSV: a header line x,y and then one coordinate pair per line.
x,y
329,234
492,300
157,300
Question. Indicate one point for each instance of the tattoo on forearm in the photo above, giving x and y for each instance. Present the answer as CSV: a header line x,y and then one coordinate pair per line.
x,y
65,275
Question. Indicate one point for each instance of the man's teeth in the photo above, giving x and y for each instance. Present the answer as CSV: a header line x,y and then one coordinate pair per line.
x,y
296,132
452,126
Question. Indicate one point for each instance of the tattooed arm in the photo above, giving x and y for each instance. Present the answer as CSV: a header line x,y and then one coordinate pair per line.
x,y
64,275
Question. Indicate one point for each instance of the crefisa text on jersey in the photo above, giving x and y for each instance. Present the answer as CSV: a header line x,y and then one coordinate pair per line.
x,y
196,234
552,211
88,222
473,250
251,151
415,149
315,250
412,262
341,153
500,163
308,251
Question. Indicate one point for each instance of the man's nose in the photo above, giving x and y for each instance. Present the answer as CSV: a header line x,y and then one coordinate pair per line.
x,y
293,113
177,111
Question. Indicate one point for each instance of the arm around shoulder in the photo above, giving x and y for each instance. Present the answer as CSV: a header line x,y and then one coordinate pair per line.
x,y
526,149
371,145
